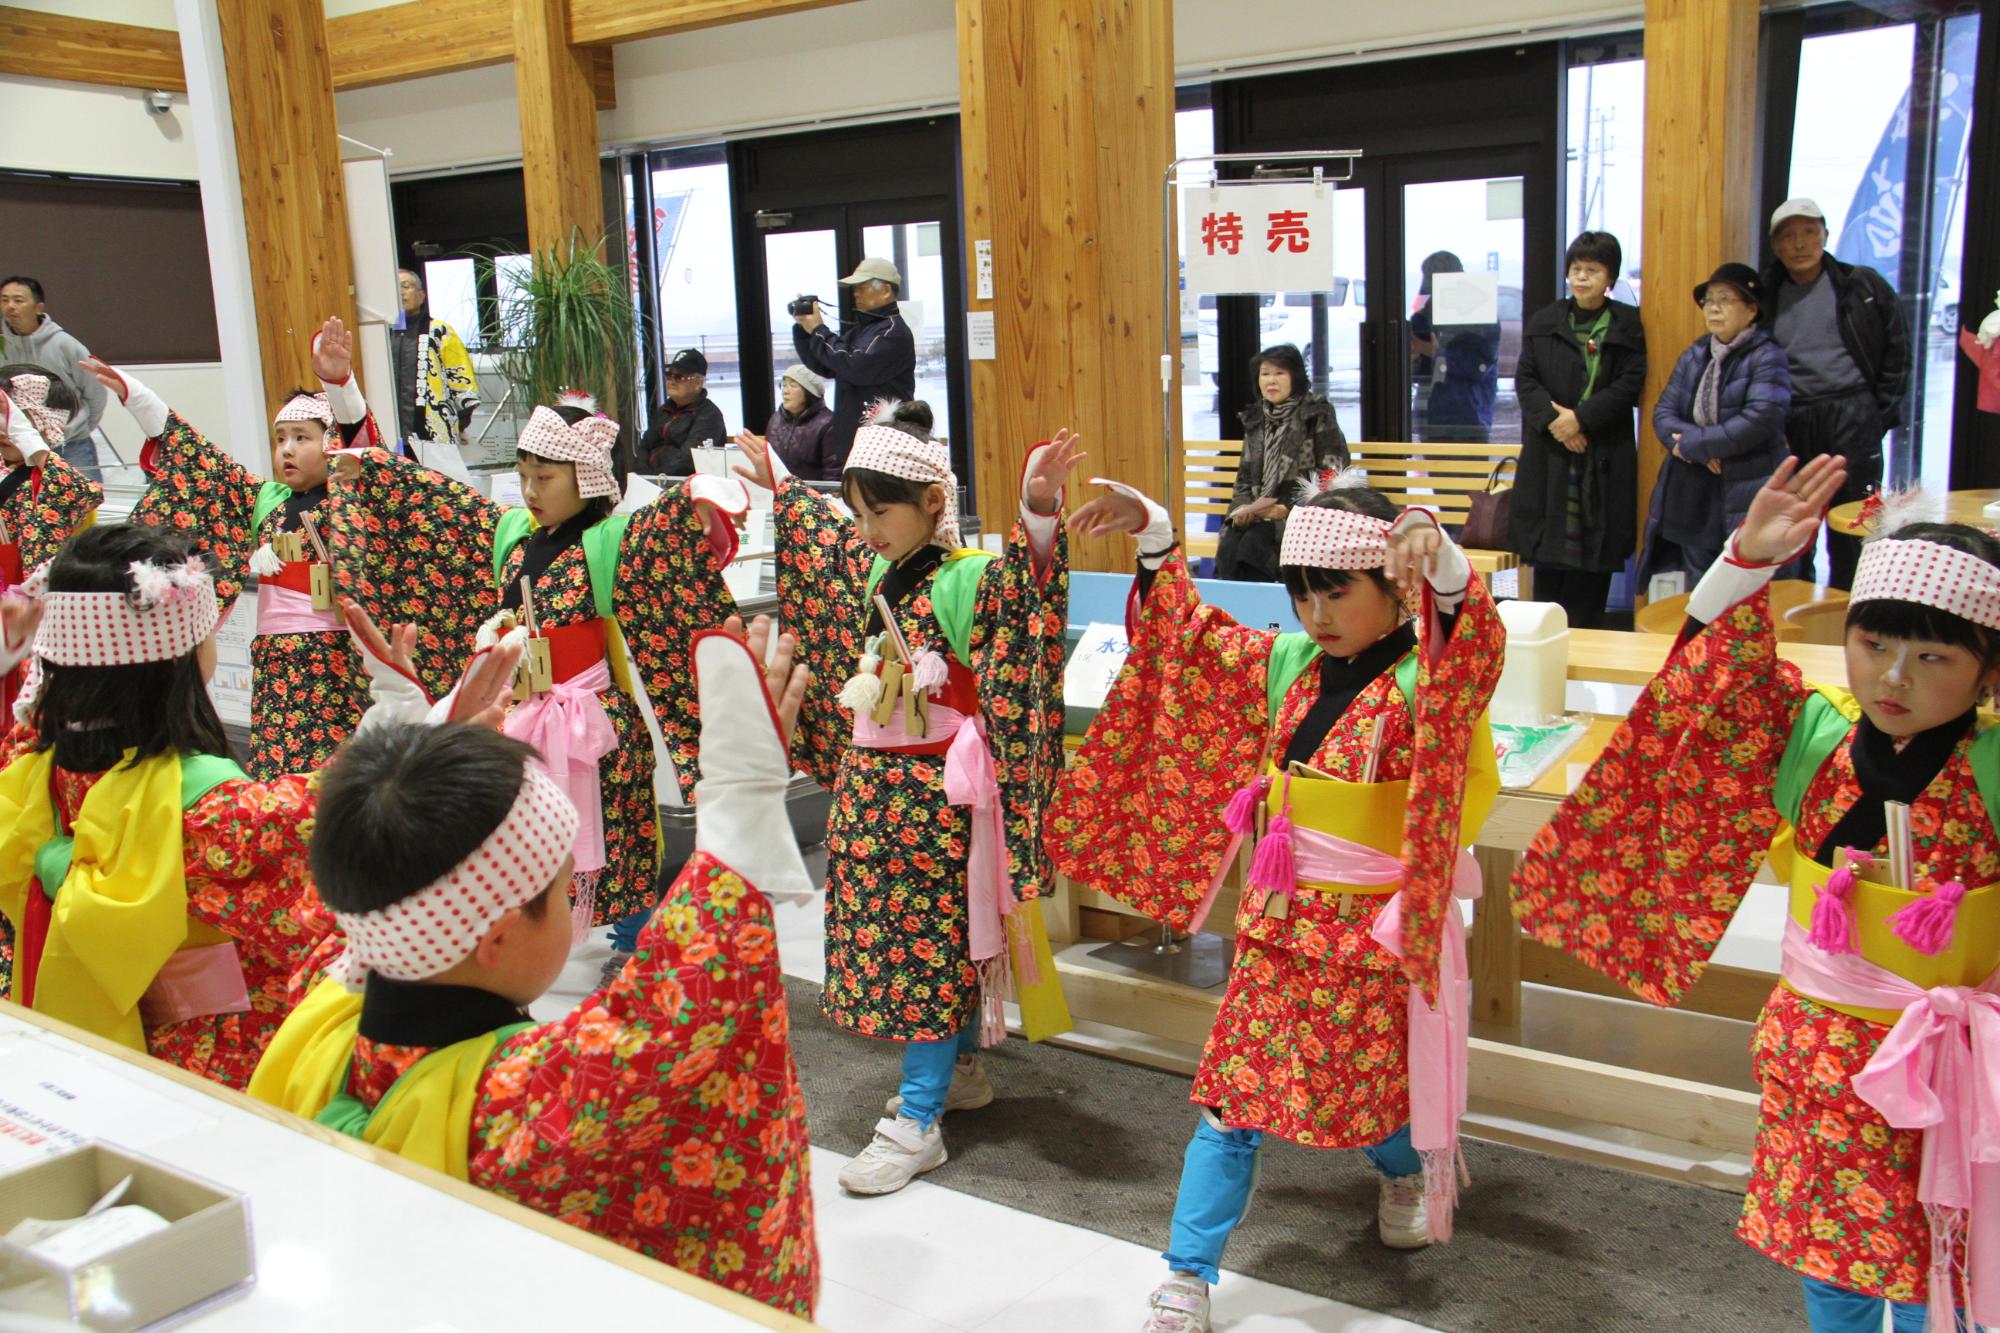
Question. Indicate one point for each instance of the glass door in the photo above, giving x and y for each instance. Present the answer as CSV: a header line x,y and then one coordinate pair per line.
x,y
797,263
917,251
1463,255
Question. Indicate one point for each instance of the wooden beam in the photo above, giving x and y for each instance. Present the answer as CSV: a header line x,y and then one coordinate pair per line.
x,y
1699,206
288,156
552,80
1723,991
594,21
1066,122
425,37
38,45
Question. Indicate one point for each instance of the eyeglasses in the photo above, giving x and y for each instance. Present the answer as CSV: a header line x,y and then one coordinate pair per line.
x,y
1722,302
682,375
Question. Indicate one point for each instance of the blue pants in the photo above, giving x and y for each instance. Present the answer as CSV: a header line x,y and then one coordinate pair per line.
x,y
927,1072
1218,1175
1831,1309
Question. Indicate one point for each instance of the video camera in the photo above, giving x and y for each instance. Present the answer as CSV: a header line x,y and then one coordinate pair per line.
x,y
802,305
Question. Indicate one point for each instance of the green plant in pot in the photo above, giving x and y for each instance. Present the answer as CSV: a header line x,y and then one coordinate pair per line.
x,y
569,322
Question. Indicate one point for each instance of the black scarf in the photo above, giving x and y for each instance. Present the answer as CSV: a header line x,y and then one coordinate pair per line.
x,y
540,550
297,505
902,580
1885,773
425,1014
1341,680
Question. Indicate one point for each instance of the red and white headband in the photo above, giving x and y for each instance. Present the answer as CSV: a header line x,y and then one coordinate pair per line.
x,y
170,610
587,444
30,393
1929,574
901,454
442,922
1334,539
306,407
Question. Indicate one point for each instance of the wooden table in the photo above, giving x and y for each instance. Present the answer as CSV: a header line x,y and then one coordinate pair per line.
x,y
1959,507
1618,658
1667,615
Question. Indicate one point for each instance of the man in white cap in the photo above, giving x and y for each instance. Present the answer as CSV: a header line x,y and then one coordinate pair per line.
x,y
1842,328
873,358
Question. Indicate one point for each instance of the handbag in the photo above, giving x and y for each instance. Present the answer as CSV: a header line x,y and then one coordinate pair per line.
x,y
1486,524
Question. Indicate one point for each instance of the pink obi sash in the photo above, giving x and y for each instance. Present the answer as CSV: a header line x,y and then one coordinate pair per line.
x,y
971,780
195,982
282,610
569,728
1937,1071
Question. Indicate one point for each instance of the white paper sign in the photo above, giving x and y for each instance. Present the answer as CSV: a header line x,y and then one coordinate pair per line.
x,y
507,489
1465,298
229,687
52,1101
982,342
1094,667
1259,238
982,266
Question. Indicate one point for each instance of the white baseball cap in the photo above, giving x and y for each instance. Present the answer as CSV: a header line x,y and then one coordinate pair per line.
x,y
873,270
1796,208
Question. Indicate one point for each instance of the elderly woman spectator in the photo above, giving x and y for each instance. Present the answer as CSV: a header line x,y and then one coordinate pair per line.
x,y
799,430
1292,447
1722,420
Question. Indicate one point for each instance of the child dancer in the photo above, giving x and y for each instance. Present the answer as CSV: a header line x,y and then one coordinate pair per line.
x,y
1876,1173
664,1113
1363,741
918,885
615,598
308,688
157,896
42,498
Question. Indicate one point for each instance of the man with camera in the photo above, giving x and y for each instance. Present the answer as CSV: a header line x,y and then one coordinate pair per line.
x,y
874,357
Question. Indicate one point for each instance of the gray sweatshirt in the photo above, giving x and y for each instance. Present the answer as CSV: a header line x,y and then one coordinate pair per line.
x,y
58,353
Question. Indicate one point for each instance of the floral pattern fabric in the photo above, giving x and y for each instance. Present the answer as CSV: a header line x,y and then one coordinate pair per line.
x,y
665,1112
1643,867
48,509
898,963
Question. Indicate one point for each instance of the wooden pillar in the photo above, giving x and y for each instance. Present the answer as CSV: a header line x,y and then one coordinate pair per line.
x,y
553,84
1701,200
1067,123
288,159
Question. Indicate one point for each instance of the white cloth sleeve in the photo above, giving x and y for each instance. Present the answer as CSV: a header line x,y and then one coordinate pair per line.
x,y
1729,580
147,408
1448,572
346,401
1156,539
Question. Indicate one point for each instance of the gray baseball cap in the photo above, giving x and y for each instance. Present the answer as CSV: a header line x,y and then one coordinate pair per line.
x,y
873,270
1796,208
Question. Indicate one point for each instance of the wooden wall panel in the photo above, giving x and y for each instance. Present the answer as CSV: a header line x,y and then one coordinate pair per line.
x,y
1066,115
425,37
592,21
1700,202
288,156
38,45
552,81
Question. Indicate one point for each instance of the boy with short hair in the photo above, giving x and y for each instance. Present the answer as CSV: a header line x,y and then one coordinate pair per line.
x,y
665,1112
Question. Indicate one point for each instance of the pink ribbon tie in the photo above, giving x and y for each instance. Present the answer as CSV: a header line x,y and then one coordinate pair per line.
x,y
571,731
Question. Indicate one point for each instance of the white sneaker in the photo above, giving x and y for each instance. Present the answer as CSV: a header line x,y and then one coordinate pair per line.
x,y
970,1088
1180,1305
1400,1217
900,1153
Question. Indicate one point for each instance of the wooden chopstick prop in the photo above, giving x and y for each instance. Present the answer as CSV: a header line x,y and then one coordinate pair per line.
x,y
537,671
320,576
898,678
1896,815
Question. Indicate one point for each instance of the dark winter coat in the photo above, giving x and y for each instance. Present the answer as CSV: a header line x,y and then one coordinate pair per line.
x,y
1550,371
1872,326
1748,439
670,441
874,357
1311,452
802,441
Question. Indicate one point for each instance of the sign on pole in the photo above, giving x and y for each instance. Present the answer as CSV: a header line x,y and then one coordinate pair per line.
x,y
1259,238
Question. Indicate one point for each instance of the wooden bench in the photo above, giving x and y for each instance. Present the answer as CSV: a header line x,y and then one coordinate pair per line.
x,y
1443,477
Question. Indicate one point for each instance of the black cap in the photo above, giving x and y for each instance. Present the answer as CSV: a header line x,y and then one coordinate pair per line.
x,y
1740,276
688,361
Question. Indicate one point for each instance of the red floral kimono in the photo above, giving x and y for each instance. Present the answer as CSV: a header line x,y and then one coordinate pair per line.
x,y
40,508
245,846
1639,874
418,549
1310,1040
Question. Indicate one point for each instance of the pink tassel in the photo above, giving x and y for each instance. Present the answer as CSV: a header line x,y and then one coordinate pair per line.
x,y
1444,1172
1926,925
1832,919
1027,972
1273,868
993,1000
1240,816
930,672
583,905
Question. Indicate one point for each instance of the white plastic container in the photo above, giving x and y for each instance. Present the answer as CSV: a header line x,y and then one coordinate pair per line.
x,y
1534,681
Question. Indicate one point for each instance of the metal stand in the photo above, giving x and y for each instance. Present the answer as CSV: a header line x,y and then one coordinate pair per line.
x,y
1200,961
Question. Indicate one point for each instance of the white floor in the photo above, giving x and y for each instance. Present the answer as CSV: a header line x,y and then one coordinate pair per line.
x,y
931,1260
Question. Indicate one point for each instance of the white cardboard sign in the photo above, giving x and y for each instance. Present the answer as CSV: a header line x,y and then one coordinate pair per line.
x,y
1259,238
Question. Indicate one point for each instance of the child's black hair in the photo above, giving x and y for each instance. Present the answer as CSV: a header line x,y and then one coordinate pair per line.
x,y
597,507
1595,247
1302,581
865,486
60,397
1910,620
913,416
91,715
401,805
1286,358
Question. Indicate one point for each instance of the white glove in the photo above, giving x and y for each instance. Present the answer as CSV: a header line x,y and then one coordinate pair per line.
x,y
264,562
147,408
395,695
1727,582
739,804
21,433
441,711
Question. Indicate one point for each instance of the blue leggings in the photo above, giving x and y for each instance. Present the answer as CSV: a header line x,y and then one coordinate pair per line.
x,y
1218,1176
927,1069
1831,1309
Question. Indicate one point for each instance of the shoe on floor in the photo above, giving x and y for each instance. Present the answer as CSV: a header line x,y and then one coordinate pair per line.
x,y
970,1088
901,1152
1400,1217
1180,1305
612,967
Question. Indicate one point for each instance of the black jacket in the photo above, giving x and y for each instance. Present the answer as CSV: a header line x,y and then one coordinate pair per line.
x,y
1871,324
874,357
802,442
668,449
1551,371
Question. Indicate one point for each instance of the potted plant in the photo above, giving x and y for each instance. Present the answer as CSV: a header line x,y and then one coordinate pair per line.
x,y
569,322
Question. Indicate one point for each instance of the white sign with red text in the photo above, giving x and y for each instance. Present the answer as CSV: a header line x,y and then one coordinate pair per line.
x,y
1259,238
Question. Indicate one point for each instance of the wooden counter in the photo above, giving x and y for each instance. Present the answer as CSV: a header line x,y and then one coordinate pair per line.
x,y
1617,658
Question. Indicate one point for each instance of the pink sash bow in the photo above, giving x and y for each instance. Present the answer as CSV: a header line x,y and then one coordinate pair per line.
x,y
569,728
289,611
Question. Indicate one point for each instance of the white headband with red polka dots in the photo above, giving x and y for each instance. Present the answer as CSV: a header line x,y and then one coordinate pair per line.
x,y
1334,539
169,611
306,407
587,444
442,922
901,454
1929,574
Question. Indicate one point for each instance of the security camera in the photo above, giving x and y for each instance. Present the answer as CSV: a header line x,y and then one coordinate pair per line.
x,y
159,102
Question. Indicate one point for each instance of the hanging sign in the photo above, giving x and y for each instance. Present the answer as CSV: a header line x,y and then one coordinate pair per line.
x,y
1259,238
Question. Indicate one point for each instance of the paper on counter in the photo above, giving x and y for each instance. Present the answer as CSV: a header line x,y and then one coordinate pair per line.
x,y
1094,666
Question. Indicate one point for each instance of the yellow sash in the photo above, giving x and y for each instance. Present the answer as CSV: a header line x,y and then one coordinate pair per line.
x,y
1968,960
122,909
426,1117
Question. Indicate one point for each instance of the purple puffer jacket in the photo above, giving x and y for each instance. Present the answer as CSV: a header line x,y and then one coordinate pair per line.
x,y
802,442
